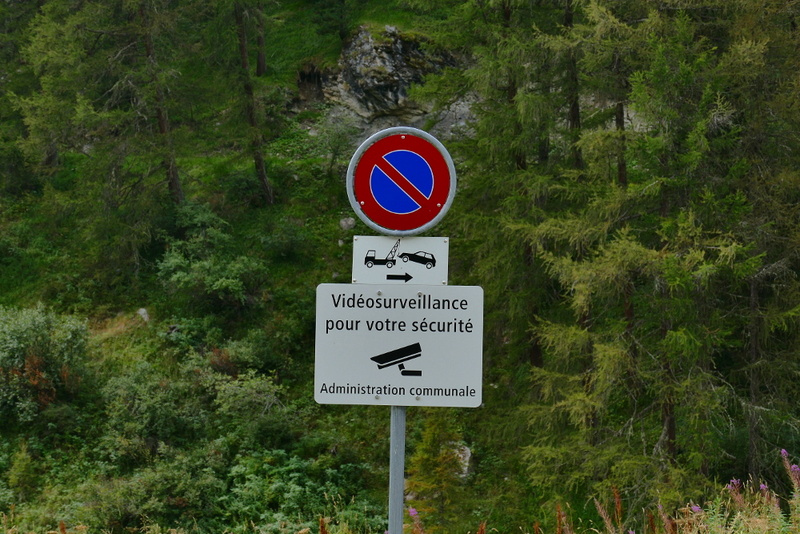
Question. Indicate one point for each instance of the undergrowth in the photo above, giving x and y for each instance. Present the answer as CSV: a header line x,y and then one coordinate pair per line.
x,y
740,508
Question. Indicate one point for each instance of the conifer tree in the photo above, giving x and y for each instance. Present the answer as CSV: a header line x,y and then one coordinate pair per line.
x,y
102,125
232,37
627,258
106,81
15,78
758,66
437,471
241,13
149,26
635,376
518,163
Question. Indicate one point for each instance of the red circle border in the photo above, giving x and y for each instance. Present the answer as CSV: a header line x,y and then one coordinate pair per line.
x,y
437,201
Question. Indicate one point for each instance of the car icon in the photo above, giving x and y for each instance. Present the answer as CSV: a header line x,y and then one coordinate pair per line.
x,y
425,258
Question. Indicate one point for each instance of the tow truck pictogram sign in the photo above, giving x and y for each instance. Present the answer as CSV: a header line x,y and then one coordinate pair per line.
x,y
415,260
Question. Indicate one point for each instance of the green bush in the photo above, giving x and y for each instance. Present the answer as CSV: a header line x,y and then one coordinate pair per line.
x,y
248,411
277,491
41,361
204,267
22,475
147,410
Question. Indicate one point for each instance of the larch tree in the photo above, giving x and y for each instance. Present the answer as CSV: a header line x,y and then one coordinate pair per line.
x,y
233,37
650,268
16,176
605,141
602,378
507,157
150,24
437,471
760,69
103,72
242,14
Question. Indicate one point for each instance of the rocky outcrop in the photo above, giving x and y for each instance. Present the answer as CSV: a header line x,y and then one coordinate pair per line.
x,y
377,71
371,84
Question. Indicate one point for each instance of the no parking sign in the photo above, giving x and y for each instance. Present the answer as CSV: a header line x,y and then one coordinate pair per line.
x,y
401,181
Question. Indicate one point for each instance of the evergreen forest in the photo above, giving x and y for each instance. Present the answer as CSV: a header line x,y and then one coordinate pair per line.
x,y
628,199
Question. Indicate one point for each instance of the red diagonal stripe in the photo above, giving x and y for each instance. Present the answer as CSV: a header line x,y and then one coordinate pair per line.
x,y
403,183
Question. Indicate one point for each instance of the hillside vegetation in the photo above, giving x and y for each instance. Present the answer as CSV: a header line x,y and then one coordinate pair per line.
x,y
629,187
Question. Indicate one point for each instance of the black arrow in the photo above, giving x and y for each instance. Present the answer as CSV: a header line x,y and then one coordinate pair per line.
x,y
404,276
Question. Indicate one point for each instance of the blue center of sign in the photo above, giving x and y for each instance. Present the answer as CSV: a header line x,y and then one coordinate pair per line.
x,y
391,191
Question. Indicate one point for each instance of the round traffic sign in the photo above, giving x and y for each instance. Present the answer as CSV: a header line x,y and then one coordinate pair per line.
x,y
401,181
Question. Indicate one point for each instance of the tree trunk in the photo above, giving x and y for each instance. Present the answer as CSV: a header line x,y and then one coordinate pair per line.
x,y
591,420
573,94
753,423
669,430
261,60
256,139
622,166
164,129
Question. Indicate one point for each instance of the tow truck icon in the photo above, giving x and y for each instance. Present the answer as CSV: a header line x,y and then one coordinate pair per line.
x,y
388,261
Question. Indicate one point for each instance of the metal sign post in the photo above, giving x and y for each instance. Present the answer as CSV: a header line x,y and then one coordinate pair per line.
x,y
397,461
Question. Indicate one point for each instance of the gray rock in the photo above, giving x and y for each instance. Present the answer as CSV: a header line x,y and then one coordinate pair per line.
x,y
376,72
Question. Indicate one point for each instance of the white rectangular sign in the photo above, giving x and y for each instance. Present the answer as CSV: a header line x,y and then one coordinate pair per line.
x,y
409,345
400,260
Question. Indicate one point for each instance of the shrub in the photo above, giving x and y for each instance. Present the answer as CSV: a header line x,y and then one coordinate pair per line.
x,y
179,488
147,410
204,266
278,492
41,360
22,475
249,412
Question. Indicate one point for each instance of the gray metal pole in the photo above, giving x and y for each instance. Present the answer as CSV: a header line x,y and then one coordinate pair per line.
x,y
397,460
